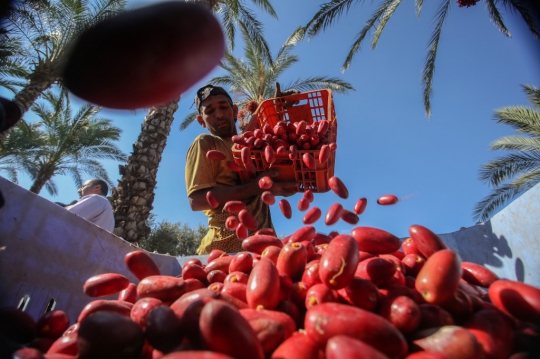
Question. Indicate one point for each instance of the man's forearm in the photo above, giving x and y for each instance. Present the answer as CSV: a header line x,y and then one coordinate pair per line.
x,y
223,194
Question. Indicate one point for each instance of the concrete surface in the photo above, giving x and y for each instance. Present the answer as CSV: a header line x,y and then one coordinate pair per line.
x,y
47,252
508,244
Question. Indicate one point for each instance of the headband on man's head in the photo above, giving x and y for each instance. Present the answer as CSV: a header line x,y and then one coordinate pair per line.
x,y
209,90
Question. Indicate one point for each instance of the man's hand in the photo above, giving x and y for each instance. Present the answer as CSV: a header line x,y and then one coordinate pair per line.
x,y
280,93
283,189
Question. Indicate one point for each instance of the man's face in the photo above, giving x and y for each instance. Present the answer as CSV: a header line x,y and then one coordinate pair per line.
x,y
218,116
89,188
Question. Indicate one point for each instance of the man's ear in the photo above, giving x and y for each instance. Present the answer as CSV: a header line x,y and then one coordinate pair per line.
x,y
200,120
235,111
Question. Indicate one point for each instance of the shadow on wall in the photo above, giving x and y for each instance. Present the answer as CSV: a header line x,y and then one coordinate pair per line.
x,y
479,244
520,270
497,245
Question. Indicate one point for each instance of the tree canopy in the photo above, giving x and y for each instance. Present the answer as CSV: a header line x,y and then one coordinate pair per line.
x,y
61,142
331,11
175,239
252,78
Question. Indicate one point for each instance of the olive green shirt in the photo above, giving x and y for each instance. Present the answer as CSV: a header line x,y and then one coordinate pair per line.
x,y
202,173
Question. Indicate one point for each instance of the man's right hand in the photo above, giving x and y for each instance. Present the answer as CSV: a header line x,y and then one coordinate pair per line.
x,y
280,93
283,189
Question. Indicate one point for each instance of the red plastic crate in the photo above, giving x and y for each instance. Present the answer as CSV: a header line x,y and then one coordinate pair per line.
x,y
310,107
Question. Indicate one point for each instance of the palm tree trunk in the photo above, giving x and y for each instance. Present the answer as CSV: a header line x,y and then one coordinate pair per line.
x,y
132,199
44,175
40,80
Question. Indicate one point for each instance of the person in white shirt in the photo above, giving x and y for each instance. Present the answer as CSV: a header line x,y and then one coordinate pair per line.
x,y
93,204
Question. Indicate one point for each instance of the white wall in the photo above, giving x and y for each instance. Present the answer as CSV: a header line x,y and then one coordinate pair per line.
x,y
48,253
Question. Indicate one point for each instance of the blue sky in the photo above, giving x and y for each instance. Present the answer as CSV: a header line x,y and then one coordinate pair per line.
x,y
386,144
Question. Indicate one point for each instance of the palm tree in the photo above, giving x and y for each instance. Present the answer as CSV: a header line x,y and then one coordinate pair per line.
x,y
330,11
11,59
47,27
253,80
20,145
518,171
67,143
133,197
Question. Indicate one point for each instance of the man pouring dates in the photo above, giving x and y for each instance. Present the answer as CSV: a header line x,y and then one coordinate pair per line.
x,y
212,183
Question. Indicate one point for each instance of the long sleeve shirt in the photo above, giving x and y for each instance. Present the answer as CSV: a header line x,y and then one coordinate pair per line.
x,y
96,209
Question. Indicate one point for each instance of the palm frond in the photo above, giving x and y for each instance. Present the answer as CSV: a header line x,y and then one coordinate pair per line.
x,y
390,7
523,119
255,30
9,172
496,17
229,19
70,142
75,175
502,195
516,143
291,42
319,82
10,85
235,66
103,151
266,6
252,78
429,65
527,12
360,37
506,167
51,187
254,52
92,168
418,5
533,95
224,80
12,67
328,13
188,120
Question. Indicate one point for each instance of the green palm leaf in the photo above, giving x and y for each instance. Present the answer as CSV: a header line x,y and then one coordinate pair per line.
x,y
526,12
252,78
319,82
418,4
63,142
518,171
390,7
503,194
328,13
523,119
45,29
361,35
331,11
496,17
503,168
533,94
516,143
429,64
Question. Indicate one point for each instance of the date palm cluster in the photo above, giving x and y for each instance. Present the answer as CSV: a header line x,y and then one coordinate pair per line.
x,y
249,107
